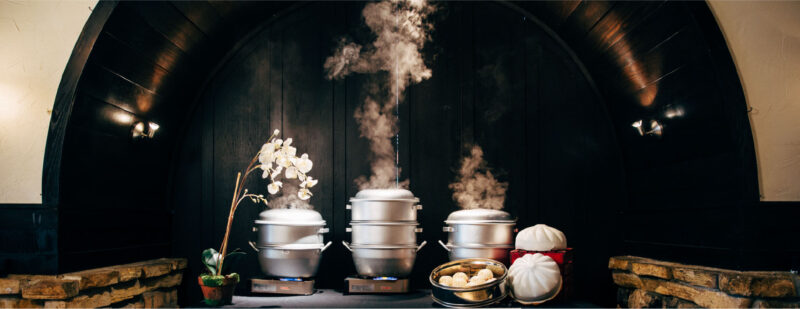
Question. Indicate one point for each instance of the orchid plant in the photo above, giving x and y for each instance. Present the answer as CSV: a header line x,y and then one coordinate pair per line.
x,y
275,157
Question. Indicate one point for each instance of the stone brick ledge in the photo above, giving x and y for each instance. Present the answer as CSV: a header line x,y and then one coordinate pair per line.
x,y
646,283
146,284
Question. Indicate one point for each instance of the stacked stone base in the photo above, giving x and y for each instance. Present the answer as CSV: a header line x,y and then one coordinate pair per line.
x,y
149,284
647,283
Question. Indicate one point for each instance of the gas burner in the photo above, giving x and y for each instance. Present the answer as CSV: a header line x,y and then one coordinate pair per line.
x,y
287,286
375,285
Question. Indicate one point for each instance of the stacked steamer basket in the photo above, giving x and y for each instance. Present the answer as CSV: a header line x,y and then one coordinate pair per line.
x,y
384,232
289,247
480,233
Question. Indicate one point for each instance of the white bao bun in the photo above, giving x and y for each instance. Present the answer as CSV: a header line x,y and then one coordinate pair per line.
x,y
534,277
541,237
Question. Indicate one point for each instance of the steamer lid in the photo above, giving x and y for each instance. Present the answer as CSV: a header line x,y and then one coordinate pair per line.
x,y
480,215
291,216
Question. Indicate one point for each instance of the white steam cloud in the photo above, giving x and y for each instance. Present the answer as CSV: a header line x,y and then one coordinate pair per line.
x,y
475,186
401,31
289,199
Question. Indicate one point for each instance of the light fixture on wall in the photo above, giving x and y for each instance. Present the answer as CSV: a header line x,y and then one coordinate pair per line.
x,y
144,130
651,128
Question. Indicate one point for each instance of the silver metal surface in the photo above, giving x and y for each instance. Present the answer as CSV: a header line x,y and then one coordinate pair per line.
x,y
498,253
378,210
384,233
477,296
271,234
480,233
479,215
290,261
382,260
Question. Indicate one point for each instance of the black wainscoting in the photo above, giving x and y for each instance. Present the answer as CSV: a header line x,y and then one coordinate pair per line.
x,y
549,89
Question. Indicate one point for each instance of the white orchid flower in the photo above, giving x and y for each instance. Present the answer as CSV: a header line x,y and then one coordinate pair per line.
x,y
276,132
304,194
276,172
267,153
304,164
301,176
274,187
309,182
277,142
283,160
289,151
287,142
291,172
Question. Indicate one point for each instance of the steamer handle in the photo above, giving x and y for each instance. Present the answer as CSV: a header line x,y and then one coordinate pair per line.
x,y
422,245
444,246
348,206
346,245
253,245
448,229
418,207
348,229
323,230
326,246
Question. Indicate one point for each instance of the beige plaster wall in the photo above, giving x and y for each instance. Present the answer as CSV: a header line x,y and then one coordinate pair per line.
x,y
36,40
764,39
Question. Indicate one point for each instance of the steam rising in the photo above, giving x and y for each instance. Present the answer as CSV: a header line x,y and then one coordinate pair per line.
x,y
289,199
401,32
475,186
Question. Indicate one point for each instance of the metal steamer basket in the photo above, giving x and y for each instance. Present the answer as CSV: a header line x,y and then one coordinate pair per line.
x,y
384,260
476,296
480,233
290,261
384,205
289,242
384,232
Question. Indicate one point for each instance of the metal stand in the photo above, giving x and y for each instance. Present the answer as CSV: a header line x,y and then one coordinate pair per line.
x,y
283,286
381,285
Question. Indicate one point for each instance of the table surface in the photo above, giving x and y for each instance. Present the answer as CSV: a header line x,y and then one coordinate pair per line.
x,y
327,298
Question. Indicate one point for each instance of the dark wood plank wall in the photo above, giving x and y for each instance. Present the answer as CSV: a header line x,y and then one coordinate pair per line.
x,y
517,78
498,81
113,203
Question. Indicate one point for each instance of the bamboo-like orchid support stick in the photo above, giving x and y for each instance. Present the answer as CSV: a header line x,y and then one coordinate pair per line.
x,y
234,204
237,198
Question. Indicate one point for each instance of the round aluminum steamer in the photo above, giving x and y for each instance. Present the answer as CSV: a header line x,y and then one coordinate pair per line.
x,y
384,233
289,226
290,261
480,227
477,296
495,252
384,260
384,205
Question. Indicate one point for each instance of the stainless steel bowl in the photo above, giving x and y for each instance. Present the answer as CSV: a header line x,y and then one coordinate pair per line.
x,y
476,296
384,260
384,233
494,252
384,205
290,261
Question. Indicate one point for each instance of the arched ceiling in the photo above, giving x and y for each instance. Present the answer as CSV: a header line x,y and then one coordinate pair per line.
x,y
662,68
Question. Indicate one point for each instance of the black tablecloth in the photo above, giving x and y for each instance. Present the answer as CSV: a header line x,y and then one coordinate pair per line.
x,y
325,298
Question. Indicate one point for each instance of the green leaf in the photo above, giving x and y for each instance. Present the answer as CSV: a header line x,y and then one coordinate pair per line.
x,y
231,259
234,275
210,259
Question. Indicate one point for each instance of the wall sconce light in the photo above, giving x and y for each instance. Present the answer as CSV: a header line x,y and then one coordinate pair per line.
x,y
652,128
144,131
